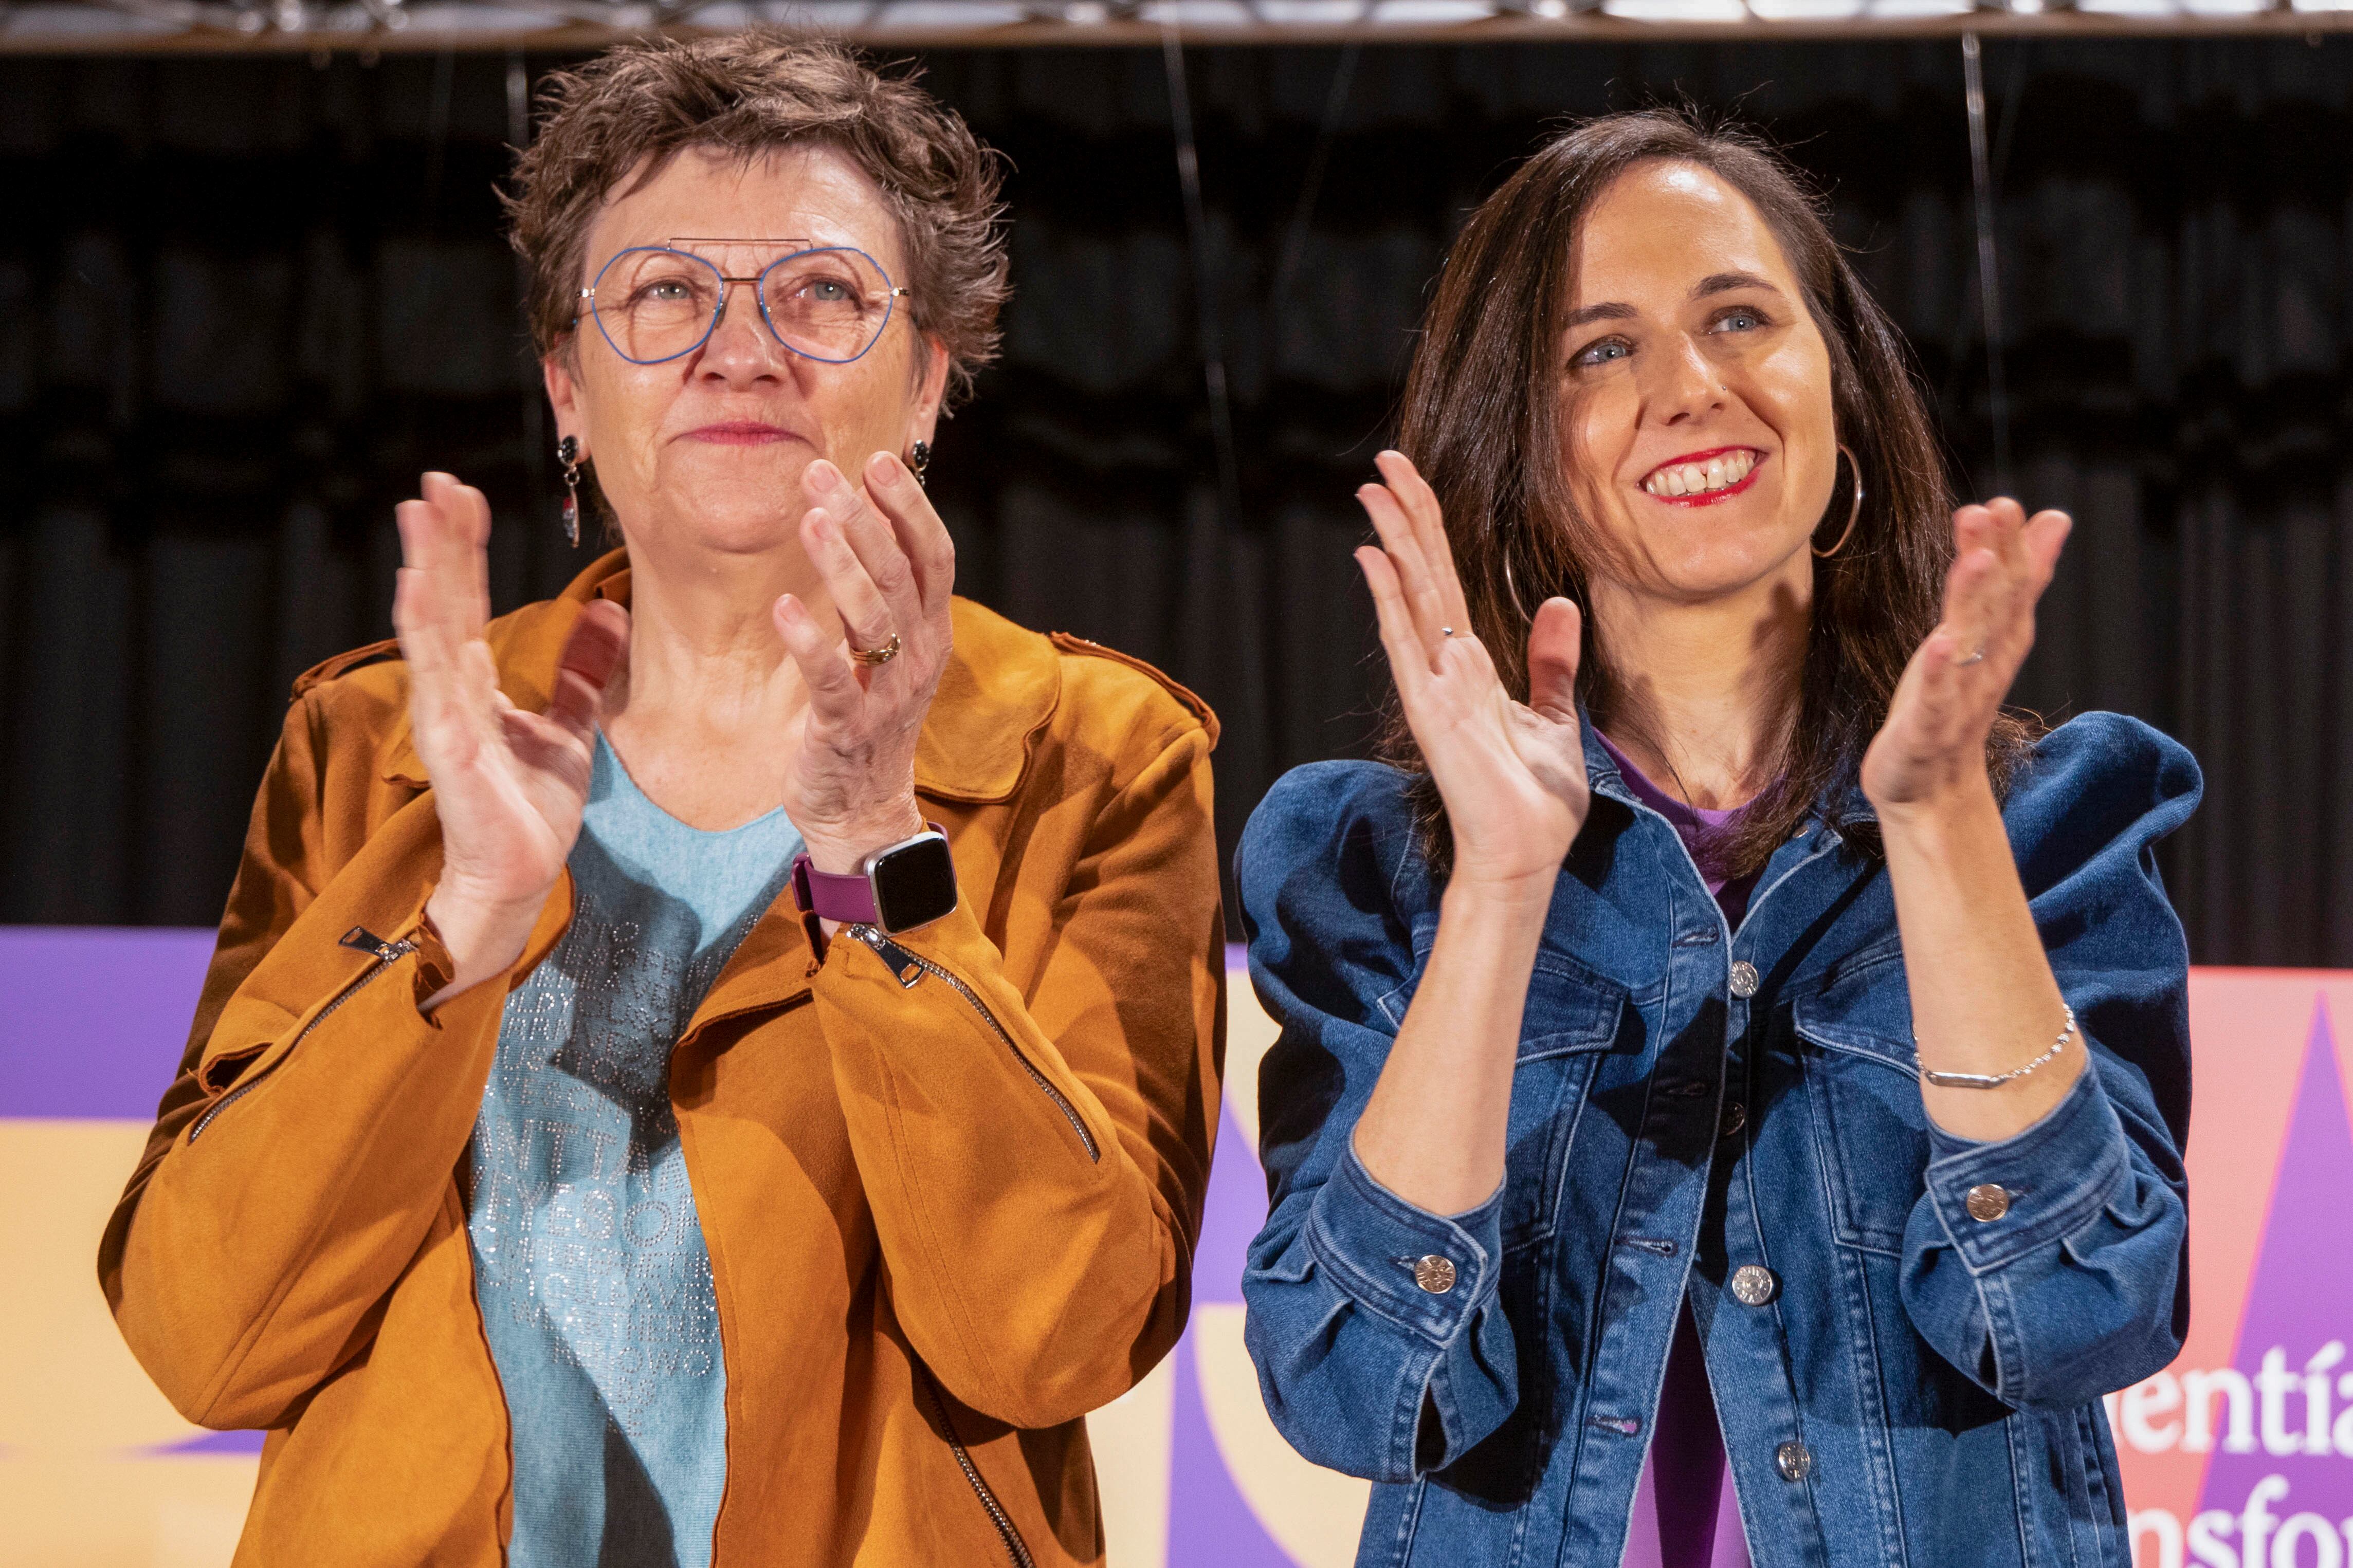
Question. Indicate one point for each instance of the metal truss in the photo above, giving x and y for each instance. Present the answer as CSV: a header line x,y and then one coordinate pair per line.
x,y
165,26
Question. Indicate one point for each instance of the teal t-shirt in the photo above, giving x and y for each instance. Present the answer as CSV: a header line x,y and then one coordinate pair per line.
x,y
589,1259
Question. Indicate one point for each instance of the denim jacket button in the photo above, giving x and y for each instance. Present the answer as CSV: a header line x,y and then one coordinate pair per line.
x,y
1434,1274
1753,1285
1987,1201
1794,1460
1736,1117
1744,979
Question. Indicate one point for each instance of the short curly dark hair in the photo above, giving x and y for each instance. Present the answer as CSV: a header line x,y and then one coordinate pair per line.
x,y
749,93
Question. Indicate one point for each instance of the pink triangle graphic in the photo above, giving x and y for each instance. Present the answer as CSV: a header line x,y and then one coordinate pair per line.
x,y
2296,1343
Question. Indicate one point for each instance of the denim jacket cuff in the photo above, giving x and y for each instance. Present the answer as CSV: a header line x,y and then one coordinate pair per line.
x,y
2035,1186
1381,1249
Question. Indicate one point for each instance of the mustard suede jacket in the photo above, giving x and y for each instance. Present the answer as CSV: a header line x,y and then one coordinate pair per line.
x,y
951,1205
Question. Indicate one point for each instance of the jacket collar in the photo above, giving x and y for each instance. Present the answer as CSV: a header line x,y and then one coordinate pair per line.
x,y
1602,773
1601,768
1001,685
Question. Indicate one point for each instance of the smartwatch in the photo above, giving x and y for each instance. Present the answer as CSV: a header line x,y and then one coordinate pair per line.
x,y
911,883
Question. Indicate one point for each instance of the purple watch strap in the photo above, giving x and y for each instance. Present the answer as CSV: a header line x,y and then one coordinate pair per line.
x,y
832,896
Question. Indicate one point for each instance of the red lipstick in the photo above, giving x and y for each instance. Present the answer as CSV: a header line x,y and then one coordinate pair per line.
x,y
1707,498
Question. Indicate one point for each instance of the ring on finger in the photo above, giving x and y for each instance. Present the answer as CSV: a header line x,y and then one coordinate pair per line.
x,y
1446,631
876,656
1976,656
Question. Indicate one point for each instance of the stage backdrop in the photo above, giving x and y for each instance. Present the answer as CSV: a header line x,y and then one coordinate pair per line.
x,y
2239,1456
255,297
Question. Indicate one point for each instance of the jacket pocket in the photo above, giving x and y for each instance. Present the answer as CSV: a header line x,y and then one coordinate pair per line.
x,y
1863,1090
1573,1017
909,968
251,1077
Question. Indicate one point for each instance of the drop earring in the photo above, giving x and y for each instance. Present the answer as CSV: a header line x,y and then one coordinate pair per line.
x,y
919,461
568,452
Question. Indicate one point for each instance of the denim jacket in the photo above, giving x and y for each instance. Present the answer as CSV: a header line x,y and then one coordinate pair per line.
x,y
1907,1333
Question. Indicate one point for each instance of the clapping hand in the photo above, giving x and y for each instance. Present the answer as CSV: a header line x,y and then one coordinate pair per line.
x,y
890,568
1932,746
509,786
1512,775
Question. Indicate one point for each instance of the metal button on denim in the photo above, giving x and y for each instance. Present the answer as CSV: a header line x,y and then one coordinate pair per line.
x,y
1434,1274
1753,1285
1794,1460
1736,1117
1987,1201
1744,979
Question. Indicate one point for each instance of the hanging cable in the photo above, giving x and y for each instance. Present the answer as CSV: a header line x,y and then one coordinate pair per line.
x,y
1294,243
2005,135
1197,227
436,120
535,444
1989,278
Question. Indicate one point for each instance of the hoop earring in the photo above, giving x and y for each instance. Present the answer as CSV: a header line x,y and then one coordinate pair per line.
x,y
568,452
1512,588
918,460
1853,512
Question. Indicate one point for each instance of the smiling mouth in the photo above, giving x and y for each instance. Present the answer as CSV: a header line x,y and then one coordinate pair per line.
x,y
1705,477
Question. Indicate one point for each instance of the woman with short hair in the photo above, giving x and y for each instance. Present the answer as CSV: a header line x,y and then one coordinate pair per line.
x,y
1733,1074
717,1067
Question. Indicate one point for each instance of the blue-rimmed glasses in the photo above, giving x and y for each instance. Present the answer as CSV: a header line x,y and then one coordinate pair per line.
x,y
658,302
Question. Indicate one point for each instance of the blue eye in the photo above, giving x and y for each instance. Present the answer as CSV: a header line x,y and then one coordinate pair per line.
x,y
1739,322
1608,349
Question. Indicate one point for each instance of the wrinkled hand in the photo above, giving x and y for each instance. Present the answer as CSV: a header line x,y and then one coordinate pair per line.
x,y
508,786
890,567
1932,748
1512,775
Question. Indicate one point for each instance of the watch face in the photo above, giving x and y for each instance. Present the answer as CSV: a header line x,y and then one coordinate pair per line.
x,y
914,884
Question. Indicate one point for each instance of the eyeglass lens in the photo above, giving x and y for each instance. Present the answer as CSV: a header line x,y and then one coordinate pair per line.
x,y
655,303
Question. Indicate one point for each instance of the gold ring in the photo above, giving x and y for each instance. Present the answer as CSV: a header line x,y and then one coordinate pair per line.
x,y
874,655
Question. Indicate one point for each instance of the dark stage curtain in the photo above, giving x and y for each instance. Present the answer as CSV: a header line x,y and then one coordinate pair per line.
x,y
243,301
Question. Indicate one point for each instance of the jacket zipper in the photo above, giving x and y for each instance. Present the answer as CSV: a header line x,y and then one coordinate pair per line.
x,y
910,968
1015,1548
359,937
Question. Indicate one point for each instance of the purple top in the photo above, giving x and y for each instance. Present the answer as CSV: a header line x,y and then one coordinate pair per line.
x,y
1701,831
1684,1513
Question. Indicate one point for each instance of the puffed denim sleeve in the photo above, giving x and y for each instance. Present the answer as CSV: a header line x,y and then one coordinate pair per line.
x,y
1363,1370
2079,1287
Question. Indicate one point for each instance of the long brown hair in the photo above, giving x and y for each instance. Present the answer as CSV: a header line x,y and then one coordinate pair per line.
x,y
1482,420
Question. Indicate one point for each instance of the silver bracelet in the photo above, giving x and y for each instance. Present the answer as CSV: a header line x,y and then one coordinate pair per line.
x,y
1995,1080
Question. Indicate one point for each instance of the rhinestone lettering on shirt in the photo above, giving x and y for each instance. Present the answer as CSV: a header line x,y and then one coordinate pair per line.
x,y
583,1220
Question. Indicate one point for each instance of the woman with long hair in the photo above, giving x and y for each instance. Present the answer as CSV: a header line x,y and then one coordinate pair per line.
x,y
1733,1073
